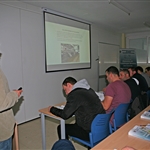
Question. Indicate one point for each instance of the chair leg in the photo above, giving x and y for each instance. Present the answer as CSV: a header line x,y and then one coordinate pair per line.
x,y
15,139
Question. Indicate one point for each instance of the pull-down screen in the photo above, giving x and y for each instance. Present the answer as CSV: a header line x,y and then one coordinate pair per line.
x,y
67,43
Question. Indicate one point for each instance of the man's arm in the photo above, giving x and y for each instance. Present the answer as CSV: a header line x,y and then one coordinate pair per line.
x,y
69,109
107,102
8,100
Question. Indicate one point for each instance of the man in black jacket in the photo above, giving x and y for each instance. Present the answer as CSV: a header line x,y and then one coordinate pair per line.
x,y
83,102
135,89
142,82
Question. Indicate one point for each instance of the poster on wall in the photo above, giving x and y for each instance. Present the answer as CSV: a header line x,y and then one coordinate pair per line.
x,y
127,58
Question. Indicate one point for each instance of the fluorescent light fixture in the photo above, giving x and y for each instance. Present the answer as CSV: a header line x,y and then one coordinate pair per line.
x,y
118,5
147,24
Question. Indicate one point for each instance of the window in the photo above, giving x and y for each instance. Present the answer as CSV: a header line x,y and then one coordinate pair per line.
x,y
142,46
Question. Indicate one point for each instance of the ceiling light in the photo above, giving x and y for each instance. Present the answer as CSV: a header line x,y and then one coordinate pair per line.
x,y
118,5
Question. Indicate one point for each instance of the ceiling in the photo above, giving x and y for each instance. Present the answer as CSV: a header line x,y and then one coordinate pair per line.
x,y
103,13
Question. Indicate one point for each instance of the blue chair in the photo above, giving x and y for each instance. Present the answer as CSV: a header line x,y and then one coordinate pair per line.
x,y
100,129
120,116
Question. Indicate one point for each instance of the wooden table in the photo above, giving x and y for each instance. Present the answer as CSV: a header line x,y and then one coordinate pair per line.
x,y
120,138
44,112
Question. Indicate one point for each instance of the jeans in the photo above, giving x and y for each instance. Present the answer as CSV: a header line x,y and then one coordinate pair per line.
x,y
6,145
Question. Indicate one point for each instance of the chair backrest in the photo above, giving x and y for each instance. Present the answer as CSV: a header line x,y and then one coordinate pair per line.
x,y
148,94
120,115
135,107
145,99
100,128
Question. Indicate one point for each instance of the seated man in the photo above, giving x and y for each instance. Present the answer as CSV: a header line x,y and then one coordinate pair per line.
x,y
83,102
135,89
139,70
147,71
142,82
116,92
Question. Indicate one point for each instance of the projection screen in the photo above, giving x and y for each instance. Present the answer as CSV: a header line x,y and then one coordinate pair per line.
x,y
67,43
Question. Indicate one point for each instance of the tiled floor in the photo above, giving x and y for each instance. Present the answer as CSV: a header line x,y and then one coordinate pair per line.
x,y
30,137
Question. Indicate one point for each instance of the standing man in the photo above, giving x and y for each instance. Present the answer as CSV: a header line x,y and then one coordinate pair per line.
x,y
7,121
83,102
116,92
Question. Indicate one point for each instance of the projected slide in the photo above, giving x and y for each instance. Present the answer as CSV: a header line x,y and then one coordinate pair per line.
x,y
67,44
69,53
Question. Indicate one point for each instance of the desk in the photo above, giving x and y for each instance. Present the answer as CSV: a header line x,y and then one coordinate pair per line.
x,y
44,112
120,138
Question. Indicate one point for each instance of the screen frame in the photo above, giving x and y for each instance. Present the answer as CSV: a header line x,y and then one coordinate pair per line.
x,y
63,68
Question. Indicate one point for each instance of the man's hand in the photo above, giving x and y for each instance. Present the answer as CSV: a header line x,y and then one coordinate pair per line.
x,y
18,92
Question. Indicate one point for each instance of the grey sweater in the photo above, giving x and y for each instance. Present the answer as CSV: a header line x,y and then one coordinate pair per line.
x,y
7,100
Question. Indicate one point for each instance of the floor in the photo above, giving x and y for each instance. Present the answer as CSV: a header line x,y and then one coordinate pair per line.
x,y
30,137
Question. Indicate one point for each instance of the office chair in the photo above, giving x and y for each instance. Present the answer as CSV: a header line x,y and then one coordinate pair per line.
x,y
135,107
120,117
148,96
100,129
145,99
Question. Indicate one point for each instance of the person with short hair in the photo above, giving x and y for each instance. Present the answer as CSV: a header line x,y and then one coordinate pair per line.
x,y
142,82
135,89
84,103
63,144
139,70
117,91
147,71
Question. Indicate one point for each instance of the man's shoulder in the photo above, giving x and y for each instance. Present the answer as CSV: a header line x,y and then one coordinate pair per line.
x,y
118,82
138,76
78,91
130,80
82,91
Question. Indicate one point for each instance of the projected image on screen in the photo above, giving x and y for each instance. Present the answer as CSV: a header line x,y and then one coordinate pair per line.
x,y
69,53
67,43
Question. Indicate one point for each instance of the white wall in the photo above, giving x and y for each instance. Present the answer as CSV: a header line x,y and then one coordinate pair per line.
x,y
143,54
23,60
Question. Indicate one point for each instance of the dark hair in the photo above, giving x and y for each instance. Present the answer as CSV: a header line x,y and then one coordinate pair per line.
x,y
126,71
147,68
139,68
63,144
132,68
113,70
70,80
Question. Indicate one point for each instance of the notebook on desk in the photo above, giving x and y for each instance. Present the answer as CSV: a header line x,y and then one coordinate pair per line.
x,y
146,115
142,132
